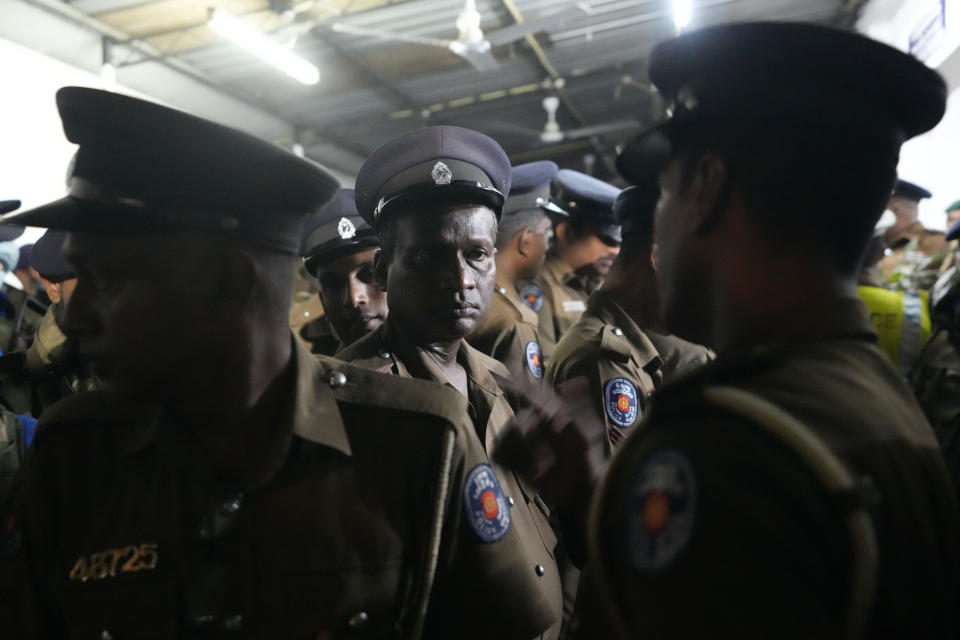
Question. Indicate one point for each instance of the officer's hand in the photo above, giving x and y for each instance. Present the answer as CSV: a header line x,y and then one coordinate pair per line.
x,y
556,443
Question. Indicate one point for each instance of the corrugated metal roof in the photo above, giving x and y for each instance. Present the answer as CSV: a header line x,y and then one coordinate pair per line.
x,y
372,89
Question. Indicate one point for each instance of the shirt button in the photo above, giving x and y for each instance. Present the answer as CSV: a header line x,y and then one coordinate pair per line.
x,y
358,620
385,355
233,623
306,314
617,331
338,379
540,570
510,501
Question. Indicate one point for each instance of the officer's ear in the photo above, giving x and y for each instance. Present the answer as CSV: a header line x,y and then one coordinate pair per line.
x,y
526,242
709,190
380,269
235,283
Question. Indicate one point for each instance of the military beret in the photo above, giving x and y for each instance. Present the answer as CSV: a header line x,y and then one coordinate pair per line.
x,y
48,259
141,166
336,230
953,207
634,209
829,82
953,232
431,162
530,188
587,199
910,191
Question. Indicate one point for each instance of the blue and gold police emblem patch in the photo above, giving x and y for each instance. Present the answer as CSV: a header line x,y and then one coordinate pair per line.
x,y
621,402
484,504
534,359
661,507
532,296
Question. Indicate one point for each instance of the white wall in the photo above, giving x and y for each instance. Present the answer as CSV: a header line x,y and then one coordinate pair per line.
x,y
34,153
930,160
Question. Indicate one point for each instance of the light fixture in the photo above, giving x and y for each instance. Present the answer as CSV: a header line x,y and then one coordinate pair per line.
x,y
241,34
682,13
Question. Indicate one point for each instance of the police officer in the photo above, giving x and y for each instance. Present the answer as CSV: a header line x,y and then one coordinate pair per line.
x,y
338,250
586,240
620,344
509,333
230,484
916,253
785,489
435,197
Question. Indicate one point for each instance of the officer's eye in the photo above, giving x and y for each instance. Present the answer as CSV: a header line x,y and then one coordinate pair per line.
x,y
365,274
477,253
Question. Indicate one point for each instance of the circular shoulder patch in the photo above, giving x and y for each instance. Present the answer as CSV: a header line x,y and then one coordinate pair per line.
x,y
484,505
621,402
534,359
532,296
661,508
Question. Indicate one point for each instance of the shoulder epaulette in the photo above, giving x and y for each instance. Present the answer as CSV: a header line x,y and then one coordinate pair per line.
x,y
364,386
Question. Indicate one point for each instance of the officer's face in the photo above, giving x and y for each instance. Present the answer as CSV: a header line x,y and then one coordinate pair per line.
x,y
536,241
440,276
586,251
139,313
351,299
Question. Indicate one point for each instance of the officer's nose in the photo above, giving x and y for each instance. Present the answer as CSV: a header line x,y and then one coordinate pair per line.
x,y
356,293
458,276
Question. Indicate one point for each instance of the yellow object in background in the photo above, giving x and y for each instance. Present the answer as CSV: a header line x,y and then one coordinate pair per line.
x,y
902,321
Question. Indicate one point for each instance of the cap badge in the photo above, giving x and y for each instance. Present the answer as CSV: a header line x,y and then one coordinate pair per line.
x,y
441,174
346,229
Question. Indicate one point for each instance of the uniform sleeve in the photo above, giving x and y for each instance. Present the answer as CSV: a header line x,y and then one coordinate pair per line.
x,y
483,587
707,528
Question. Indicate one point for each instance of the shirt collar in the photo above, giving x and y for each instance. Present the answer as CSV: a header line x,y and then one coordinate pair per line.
x,y
603,306
316,416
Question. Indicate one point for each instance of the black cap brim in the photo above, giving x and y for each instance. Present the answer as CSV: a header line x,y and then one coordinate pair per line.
x,y
71,214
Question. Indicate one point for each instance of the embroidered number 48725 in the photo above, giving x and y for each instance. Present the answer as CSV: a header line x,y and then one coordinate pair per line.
x,y
107,564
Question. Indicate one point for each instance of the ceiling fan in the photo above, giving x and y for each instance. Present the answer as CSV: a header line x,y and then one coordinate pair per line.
x,y
553,134
472,44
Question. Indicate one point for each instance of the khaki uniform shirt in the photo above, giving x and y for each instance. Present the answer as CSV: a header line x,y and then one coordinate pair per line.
x,y
357,522
707,525
489,412
621,362
563,302
509,333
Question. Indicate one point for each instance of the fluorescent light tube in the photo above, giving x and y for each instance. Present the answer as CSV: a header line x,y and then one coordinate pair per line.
x,y
682,13
241,34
